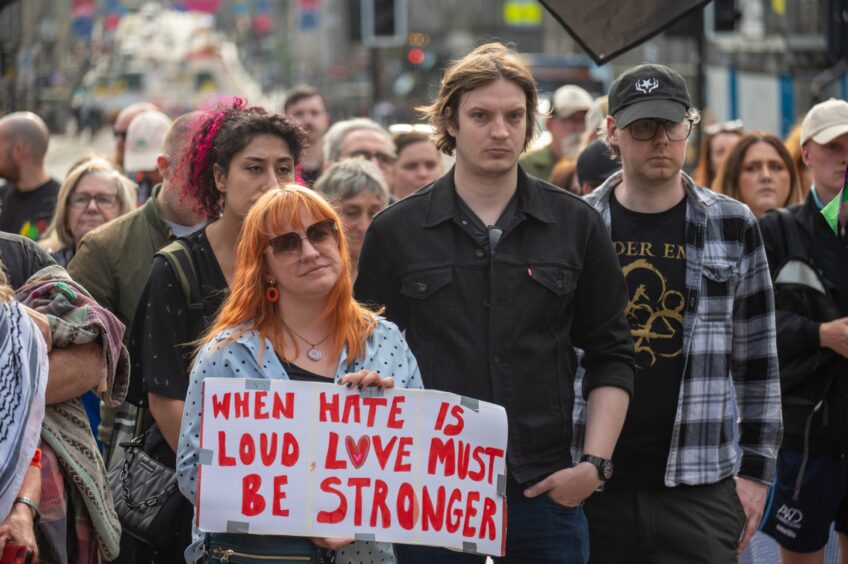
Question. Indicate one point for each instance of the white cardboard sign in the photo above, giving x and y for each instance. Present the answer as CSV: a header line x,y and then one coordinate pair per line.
x,y
319,460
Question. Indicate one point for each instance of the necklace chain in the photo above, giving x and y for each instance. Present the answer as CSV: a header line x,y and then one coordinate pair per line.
x,y
313,353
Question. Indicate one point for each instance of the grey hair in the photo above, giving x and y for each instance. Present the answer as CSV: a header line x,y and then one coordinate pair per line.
x,y
349,178
338,132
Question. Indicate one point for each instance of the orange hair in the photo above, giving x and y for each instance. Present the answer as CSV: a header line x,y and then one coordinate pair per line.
x,y
277,211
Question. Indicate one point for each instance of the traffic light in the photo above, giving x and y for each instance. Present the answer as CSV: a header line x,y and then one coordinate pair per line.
x,y
384,22
726,15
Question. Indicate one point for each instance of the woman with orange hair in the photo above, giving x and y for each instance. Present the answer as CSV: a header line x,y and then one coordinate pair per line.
x,y
291,315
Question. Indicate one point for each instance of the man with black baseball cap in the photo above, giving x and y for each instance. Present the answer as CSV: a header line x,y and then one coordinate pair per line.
x,y
594,165
701,311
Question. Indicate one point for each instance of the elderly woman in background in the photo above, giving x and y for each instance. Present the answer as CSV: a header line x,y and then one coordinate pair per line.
x,y
759,172
357,190
93,193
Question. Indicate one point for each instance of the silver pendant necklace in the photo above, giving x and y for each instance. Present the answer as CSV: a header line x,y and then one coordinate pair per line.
x,y
312,353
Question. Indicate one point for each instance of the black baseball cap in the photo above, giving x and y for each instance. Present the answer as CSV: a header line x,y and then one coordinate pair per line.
x,y
595,164
648,91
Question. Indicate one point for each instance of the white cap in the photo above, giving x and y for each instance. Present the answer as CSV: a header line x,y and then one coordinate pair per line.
x,y
825,122
145,140
569,99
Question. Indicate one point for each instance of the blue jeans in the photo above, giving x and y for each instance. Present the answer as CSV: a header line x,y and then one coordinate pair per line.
x,y
538,530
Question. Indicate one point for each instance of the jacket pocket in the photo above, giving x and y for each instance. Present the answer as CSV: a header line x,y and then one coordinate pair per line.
x,y
561,281
717,289
423,284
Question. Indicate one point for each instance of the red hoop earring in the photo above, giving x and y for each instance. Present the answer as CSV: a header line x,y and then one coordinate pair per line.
x,y
272,294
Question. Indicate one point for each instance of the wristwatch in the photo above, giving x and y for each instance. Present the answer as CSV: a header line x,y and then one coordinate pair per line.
x,y
602,465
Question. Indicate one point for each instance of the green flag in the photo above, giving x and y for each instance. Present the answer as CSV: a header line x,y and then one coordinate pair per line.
x,y
831,210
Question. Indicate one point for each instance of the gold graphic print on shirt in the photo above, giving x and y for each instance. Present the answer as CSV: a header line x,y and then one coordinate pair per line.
x,y
655,311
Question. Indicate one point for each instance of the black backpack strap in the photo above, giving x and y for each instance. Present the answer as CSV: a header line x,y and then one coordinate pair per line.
x,y
791,235
179,256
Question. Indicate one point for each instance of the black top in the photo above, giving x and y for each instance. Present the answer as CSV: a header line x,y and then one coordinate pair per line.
x,y
299,374
21,258
501,326
798,335
652,250
160,344
28,213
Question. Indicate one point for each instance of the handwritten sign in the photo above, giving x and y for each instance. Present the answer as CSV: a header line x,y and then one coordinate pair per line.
x,y
319,460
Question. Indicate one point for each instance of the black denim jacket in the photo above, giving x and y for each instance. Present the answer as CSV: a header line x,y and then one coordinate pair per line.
x,y
502,326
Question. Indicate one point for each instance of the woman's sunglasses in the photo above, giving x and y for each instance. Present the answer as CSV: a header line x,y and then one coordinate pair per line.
x,y
292,243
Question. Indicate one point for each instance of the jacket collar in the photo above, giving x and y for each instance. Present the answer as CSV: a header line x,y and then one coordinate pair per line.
x,y
154,218
444,205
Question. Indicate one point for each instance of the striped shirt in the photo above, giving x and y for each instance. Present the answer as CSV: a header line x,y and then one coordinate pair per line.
x,y
728,414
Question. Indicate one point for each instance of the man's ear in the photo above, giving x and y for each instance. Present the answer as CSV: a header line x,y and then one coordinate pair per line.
x,y
805,153
163,164
220,177
449,118
613,132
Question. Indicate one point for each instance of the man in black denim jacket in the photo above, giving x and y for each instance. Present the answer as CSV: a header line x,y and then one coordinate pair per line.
x,y
496,277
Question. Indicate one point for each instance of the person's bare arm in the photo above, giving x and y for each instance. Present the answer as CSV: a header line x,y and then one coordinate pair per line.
x,y
73,371
19,525
168,414
605,413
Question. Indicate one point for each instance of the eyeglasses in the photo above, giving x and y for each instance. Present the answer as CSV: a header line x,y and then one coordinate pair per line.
x,y
104,201
292,243
646,129
382,158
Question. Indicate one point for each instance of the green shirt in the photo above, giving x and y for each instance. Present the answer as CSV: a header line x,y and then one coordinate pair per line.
x,y
538,163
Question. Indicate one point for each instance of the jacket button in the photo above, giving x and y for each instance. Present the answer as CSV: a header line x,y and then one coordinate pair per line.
x,y
479,253
421,287
498,358
485,303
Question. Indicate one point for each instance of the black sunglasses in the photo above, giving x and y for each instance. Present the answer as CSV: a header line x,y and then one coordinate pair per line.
x,y
292,242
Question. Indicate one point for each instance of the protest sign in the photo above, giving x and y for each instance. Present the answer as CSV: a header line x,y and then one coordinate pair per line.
x,y
319,460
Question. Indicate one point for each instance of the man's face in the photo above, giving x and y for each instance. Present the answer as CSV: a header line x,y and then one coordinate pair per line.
x,y
827,164
491,128
653,161
312,116
566,132
373,146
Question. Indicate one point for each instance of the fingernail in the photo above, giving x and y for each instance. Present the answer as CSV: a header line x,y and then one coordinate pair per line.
x,y
359,386
349,384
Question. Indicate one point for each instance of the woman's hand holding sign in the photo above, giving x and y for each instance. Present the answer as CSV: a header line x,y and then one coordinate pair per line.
x,y
365,378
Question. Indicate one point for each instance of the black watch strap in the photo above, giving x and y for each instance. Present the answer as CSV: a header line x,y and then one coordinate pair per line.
x,y
602,465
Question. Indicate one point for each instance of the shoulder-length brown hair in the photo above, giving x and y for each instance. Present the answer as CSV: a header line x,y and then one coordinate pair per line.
x,y
483,65
727,179
246,308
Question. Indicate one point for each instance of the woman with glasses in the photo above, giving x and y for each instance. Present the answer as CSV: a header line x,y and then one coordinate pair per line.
x,y
759,172
291,315
93,193
717,141
237,154
357,190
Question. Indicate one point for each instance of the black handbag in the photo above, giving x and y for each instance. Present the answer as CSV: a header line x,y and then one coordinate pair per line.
x,y
146,495
228,548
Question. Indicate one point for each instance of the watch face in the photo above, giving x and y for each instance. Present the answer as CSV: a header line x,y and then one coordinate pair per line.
x,y
606,468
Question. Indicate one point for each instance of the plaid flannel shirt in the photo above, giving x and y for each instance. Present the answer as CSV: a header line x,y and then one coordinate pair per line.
x,y
729,343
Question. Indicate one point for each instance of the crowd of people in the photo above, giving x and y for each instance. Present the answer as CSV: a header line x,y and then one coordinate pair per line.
x,y
670,350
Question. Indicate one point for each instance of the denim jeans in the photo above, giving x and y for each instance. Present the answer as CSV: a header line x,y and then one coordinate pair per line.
x,y
538,530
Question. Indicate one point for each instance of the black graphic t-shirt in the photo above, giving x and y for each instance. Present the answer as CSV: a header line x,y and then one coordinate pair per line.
x,y
28,213
651,249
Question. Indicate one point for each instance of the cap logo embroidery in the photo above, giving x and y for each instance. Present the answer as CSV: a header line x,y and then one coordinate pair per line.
x,y
647,85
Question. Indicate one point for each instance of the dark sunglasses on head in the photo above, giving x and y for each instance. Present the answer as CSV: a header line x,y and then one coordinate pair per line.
x,y
292,242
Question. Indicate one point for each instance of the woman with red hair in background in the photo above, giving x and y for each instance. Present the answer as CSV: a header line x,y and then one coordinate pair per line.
x,y
291,315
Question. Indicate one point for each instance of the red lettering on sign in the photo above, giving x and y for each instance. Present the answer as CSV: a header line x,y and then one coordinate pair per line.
x,y
433,515
383,452
223,459
247,450
291,450
404,451
351,408
241,401
406,506
283,409
372,404
279,496
358,484
252,503
440,418
328,409
221,405
259,405
338,514
470,511
381,490
394,413
456,428
493,453
332,461
268,448
454,515
490,509
442,453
